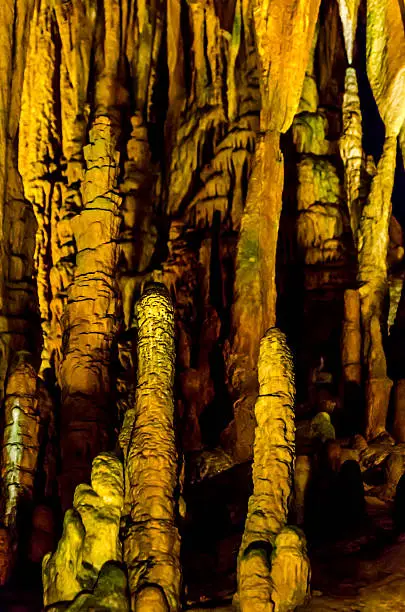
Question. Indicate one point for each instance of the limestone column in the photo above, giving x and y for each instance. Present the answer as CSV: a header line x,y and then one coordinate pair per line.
x,y
284,35
91,313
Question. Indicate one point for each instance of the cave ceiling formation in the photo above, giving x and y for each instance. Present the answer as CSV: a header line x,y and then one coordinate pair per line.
x,y
202,306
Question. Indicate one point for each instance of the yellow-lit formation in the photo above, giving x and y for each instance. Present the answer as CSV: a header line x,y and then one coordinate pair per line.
x,y
202,304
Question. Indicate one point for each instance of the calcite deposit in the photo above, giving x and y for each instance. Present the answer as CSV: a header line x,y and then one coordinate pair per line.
x,y
90,538
268,545
152,543
202,304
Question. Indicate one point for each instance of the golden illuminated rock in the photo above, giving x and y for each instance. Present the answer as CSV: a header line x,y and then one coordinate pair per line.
x,y
273,569
348,14
20,442
39,148
91,311
150,142
386,61
372,278
254,306
321,218
284,32
6,556
90,536
351,149
152,544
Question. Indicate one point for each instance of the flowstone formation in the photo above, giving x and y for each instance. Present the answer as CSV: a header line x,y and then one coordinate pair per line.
x,y
201,202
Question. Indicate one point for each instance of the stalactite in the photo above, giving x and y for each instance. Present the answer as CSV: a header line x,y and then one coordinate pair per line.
x,y
91,312
348,14
152,543
144,30
350,143
39,148
387,85
351,149
386,61
76,21
138,230
17,223
269,547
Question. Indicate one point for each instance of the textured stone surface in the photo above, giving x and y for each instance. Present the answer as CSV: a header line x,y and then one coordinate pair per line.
x,y
90,540
348,13
281,29
152,544
142,142
91,312
271,553
21,437
350,145
372,278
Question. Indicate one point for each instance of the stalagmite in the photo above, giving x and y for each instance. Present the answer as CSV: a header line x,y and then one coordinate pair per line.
x,y
320,223
89,543
152,543
91,313
20,443
273,568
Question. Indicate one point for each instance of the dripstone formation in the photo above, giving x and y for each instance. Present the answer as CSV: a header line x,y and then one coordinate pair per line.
x,y
202,306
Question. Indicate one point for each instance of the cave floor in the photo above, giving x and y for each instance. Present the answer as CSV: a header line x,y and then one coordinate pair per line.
x,y
365,571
